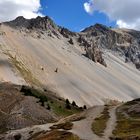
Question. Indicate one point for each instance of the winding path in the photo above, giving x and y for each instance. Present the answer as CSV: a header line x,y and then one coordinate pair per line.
x,y
83,128
111,123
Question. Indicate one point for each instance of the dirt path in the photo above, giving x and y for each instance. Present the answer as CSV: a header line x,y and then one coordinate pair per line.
x,y
111,123
26,131
83,128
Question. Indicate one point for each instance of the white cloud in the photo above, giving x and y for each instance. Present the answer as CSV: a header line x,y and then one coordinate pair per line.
x,y
88,7
10,9
126,13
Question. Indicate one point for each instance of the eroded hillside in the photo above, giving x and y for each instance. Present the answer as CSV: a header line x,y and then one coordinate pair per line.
x,y
46,55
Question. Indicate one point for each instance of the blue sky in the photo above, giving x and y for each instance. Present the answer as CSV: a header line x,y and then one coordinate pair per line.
x,y
71,14
76,14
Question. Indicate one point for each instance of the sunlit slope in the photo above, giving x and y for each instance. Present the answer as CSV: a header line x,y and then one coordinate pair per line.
x,y
77,78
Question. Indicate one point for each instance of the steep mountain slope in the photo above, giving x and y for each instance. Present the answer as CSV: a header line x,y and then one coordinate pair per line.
x,y
18,111
23,106
47,55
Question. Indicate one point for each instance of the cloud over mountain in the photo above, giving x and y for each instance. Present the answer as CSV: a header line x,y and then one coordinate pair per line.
x,y
10,9
126,13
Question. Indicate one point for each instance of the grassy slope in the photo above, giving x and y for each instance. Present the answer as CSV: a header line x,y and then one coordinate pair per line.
x,y
99,124
128,123
44,99
56,105
56,135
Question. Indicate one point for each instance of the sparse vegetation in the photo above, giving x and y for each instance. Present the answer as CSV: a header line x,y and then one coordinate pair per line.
x,y
48,107
73,103
59,107
27,75
66,126
3,122
32,92
127,125
85,107
68,106
99,124
56,135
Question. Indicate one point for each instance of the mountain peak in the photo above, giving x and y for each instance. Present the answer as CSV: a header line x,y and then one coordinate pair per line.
x,y
96,27
16,22
34,23
20,18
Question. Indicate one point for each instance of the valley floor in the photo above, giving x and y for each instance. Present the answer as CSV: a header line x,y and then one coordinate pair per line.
x,y
81,128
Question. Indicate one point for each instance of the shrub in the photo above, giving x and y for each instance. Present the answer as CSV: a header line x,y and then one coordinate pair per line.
x,y
48,107
85,107
67,101
73,103
68,106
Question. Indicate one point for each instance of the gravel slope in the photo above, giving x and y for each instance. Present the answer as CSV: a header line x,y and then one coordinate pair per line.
x,y
78,78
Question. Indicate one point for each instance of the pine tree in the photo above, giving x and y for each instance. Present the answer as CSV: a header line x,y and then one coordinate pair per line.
x,y
48,107
68,104
85,107
73,103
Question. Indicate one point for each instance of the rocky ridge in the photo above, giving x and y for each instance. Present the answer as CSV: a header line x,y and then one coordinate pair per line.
x,y
46,25
125,42
94,38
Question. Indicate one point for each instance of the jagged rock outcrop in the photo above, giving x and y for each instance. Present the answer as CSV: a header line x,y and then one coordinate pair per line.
x,y
66,33
39,24
92,49
43,23
124,42
95,54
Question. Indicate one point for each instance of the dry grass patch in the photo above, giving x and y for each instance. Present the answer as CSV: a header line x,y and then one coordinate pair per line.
x,y
57,135
126,126
65,126
99,124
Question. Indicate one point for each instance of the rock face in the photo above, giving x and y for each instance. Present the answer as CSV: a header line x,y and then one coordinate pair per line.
x,y
38,24
66,33
124,42
44,23
95,54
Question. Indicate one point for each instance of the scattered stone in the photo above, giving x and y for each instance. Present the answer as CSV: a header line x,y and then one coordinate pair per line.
x,y
56,70
17,136
71,41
